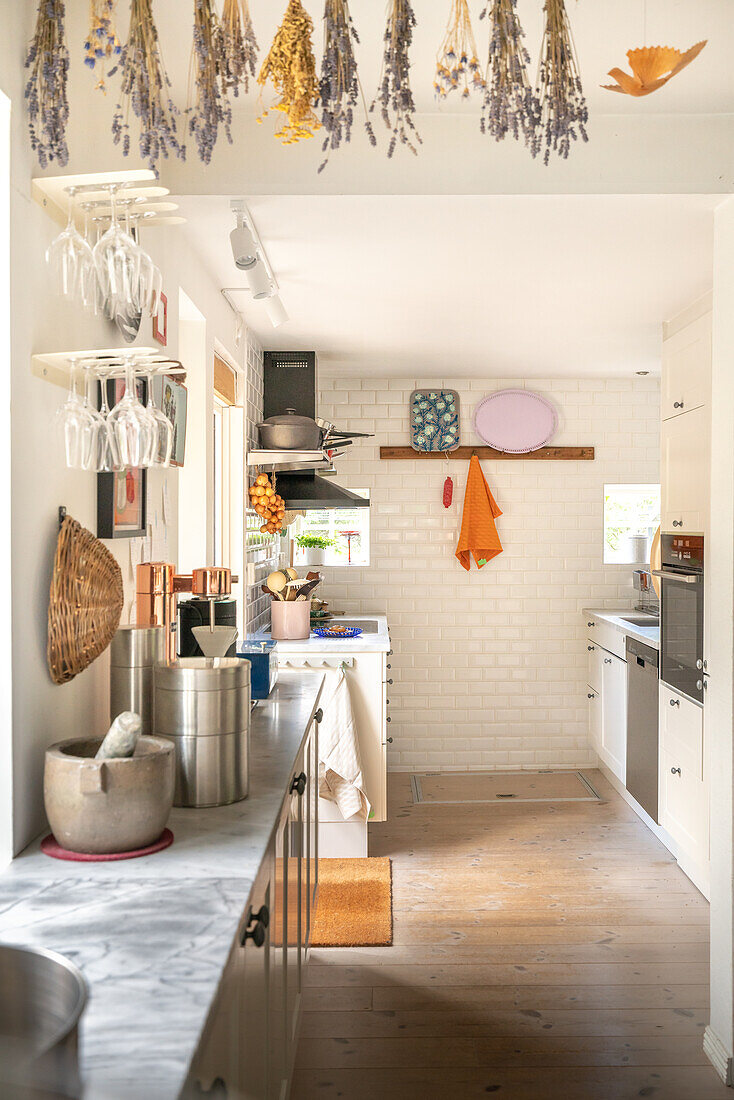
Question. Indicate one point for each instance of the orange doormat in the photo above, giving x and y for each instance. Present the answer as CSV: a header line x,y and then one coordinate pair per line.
x,y
354,907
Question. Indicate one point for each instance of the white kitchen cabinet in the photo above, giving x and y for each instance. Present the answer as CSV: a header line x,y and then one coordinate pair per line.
x,y
683,791
614,714
595,652
686,368
681,730
684,473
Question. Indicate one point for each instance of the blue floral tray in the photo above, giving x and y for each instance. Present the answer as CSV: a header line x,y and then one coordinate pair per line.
x,y
347,632
434,420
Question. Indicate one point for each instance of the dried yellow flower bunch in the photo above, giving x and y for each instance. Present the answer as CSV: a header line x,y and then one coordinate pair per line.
x,y
291,66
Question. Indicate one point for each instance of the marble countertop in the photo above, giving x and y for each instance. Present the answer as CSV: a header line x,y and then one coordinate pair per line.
x,y
650,635
367,642
152,935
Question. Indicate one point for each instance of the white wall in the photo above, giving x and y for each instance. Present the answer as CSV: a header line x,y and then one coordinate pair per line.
x,y
490,667
720,702
43,712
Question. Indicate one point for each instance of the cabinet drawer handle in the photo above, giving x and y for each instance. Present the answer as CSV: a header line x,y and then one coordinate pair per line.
x,y
389,740
677,522
607,660
388,681
590,647
677,404
388,666
319,715
388,719
590,695
675,702
299,783
675,771
592,623
260,920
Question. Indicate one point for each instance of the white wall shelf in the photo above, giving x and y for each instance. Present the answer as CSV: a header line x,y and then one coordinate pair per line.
x,y
52,194
55,367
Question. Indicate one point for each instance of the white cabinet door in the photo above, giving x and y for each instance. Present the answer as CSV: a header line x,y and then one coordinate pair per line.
x,y
595,664
614,714
684,473
684,807
687,369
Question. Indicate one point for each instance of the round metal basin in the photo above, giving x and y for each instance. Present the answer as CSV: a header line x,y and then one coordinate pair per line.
x,y
42,997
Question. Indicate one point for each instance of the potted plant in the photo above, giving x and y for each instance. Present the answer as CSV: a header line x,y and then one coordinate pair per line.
x,y
313,547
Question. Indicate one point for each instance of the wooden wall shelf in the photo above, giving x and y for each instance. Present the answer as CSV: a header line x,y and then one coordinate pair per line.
x,y
563,454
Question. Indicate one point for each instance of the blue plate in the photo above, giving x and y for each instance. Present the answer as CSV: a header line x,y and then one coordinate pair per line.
x,y
348,632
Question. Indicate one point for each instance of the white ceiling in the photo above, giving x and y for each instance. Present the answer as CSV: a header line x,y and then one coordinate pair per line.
x,y
441,286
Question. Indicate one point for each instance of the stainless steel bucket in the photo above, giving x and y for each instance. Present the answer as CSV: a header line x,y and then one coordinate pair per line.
x,y
42,997
203,705
134,652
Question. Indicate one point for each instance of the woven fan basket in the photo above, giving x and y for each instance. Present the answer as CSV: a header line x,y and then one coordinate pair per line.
x,y
85,602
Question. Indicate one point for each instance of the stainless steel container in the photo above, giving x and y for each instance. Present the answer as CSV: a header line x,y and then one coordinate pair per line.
x,y
202,704
42,997
134,652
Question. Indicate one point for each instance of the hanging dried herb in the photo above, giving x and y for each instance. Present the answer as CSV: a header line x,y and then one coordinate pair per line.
x,y
510,104
45,90
563,110
102,43
394,93
211,107
145,92
457,64
239,45
291,67
340,89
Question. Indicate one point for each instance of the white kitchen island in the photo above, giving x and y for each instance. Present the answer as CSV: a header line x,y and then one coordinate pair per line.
x,y
366,661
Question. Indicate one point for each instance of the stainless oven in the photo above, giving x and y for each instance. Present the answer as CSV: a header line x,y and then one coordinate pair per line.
x,y
681,614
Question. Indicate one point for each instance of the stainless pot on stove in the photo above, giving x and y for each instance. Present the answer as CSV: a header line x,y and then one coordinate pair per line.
x,y
290,432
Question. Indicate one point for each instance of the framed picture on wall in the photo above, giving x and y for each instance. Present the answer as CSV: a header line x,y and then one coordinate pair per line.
x,y
171,396
122,504
160,321
122,495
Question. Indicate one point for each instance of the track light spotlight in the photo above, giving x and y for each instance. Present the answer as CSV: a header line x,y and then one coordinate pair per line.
x,y
244,249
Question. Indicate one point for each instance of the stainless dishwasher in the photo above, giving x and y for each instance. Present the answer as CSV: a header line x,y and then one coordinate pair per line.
x,y
642,725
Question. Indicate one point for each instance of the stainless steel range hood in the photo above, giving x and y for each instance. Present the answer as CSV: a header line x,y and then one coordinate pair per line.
x,y
290,380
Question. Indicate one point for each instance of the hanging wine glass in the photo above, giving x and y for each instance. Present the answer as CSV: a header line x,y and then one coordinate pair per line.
x,y
131,424
72,262
74,424
163,437
108,455
115,261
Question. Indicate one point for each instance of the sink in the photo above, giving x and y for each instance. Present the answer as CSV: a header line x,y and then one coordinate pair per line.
x,y
42,997
641,620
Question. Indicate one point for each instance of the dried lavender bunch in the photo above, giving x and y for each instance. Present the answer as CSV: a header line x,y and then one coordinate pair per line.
x,y
510,104
394,93
339,88
144,91
457,64
239,45
102,43
563,110
212,106
45,90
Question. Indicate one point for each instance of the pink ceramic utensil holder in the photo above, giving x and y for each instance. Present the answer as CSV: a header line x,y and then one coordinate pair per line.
x,y
290,621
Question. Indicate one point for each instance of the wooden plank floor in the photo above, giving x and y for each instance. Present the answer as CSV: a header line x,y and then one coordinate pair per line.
x,y
541,951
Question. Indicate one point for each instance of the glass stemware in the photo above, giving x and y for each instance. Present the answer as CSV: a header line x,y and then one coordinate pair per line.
x,y
163,437
108,453
74,424
72,261
114,256
132,425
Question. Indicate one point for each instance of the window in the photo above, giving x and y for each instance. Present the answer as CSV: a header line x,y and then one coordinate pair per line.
x,y
346,531
631,517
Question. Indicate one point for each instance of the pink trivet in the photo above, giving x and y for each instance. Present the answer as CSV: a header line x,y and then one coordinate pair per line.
x,y
50,846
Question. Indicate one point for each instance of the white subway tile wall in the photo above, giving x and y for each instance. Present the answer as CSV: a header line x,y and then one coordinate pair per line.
x,y
263,551
489,667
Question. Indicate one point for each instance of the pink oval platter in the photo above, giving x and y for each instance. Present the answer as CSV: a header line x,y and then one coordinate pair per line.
x,y
515,421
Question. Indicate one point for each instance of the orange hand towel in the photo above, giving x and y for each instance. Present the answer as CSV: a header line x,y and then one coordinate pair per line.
x,y
478,530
